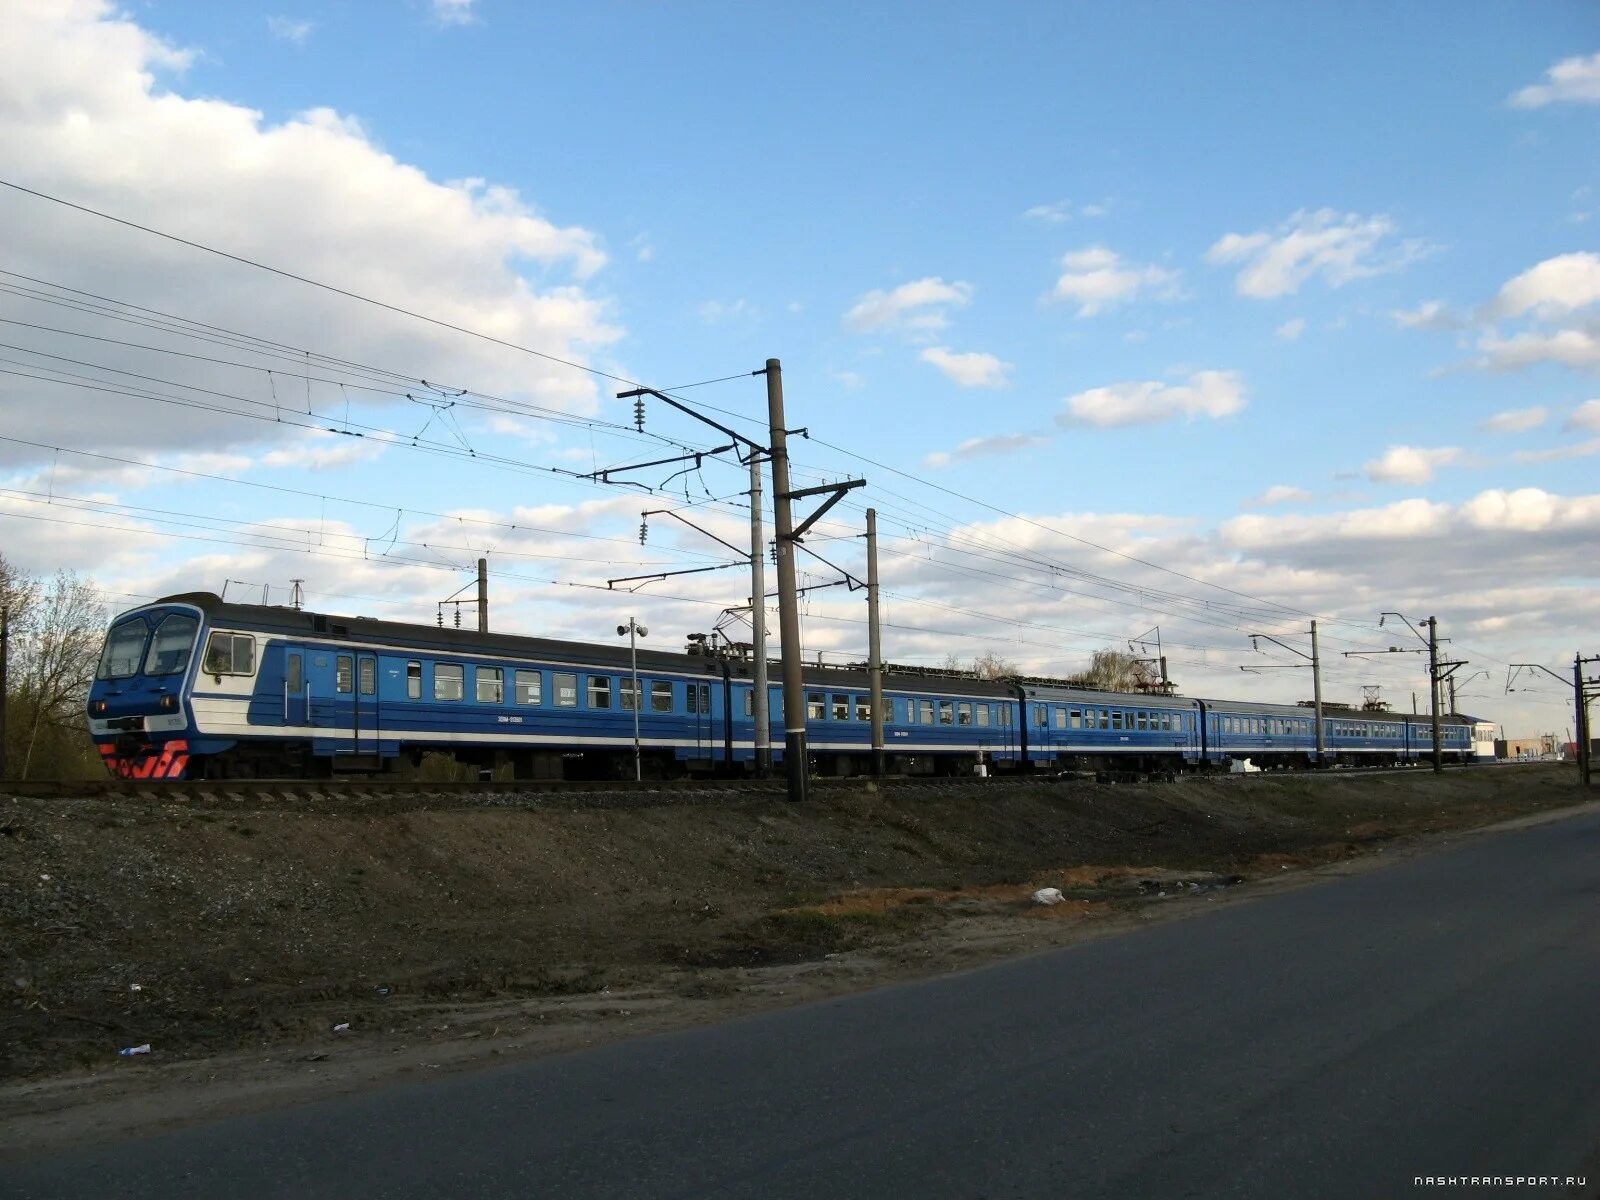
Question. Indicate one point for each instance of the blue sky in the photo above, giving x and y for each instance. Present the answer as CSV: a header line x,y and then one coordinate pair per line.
x,y
1233,290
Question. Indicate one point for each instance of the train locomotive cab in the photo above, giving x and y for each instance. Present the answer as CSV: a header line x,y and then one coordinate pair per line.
x,y
138,708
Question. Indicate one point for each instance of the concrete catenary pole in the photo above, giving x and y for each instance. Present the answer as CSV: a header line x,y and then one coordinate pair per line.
x,y
1433,691
483,595
874,645
1316,695
794,701
758,624
1581,721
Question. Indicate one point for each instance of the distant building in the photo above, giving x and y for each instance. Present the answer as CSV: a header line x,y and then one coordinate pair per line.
x,y
1546,745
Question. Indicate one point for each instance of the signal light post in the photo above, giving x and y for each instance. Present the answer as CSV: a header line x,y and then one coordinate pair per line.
x,y
635,631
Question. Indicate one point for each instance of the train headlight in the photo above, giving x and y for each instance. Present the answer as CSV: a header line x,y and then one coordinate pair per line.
x,y
169,704
97,708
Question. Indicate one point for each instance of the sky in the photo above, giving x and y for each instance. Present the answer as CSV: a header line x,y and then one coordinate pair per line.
x,y
1133,317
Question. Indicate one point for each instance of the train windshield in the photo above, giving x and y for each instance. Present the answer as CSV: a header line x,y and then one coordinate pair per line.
x,y
124,649
172,645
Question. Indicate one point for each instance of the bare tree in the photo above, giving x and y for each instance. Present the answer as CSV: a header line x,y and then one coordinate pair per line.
x,y
992,665
1112,671
56,631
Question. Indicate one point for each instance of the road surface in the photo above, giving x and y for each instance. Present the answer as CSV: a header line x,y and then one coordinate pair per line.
x,y
1440,1017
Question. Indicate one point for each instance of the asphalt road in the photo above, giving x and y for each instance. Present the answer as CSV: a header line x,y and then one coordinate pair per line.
x,y
1440,1017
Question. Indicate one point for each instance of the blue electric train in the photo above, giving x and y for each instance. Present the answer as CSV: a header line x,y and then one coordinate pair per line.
x,y
193,687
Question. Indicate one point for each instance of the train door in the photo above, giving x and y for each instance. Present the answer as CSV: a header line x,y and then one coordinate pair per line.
x,y
365,724
705,730
296,687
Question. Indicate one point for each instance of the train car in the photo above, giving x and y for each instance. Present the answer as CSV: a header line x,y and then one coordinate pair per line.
x,y
1079,729
1265,735
191,686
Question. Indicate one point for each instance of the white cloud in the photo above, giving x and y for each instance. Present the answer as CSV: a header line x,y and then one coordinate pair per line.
x,y
313,194
1007,443
715,311
1526,510
1430,314
1096,278
1280,493
1206,394
288,29
643,251
1340,247
970,370
1410,464
1517,420
1291,329
1061,212
1573,80
453,12
1552,288
1050,214
322,454
1567,347
849,380
1585,416
921,305
1558,453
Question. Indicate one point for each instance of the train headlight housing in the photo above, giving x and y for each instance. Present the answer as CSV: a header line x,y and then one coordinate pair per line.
x,y
97,708
169,704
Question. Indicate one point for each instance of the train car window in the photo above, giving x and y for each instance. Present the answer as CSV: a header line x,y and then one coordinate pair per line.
x,y
911,712
705,697
775,707
124,649
172,645
599,691
447,681
841,707
367,676
1075,719
661,695
566,689
816,706
963,713
983,713
529,687
344,673
625,694
947,712
863,708
293,678
749,695
1005,715
1105,719
491,685
413,681
927,711
230,654
1041,715
1116,719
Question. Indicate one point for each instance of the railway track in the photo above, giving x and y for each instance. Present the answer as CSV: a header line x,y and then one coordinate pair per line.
x,y
597,792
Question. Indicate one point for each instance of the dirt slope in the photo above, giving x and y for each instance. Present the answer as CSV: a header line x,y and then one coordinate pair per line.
x,y
205,927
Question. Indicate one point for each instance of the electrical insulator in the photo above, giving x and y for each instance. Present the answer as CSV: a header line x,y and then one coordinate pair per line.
x,y
772,552
458,616
644,531
638,413
438,616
